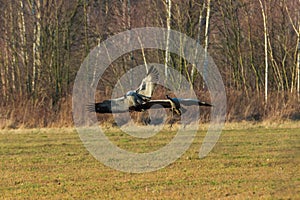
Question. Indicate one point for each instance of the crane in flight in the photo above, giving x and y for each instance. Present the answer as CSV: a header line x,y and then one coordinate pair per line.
x,y
131,99
139,100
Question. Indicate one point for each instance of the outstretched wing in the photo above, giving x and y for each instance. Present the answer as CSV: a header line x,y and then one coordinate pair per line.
x,y
192,102
165,103
119,105
172,103
148,84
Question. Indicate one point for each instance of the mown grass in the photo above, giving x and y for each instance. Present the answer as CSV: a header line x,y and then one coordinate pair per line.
x,y
247,162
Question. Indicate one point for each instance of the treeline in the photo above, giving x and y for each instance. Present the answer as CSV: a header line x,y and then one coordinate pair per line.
x,y
255,44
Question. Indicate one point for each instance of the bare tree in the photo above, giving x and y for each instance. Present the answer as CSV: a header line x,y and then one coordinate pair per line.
x,y
295,22
86,26
36,47
169,15
2,79
23,38
249,21
298,70
201,11
4,70
206,44
43,43
266,49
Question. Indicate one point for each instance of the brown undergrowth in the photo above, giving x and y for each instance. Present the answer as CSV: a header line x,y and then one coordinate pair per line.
x,y
281,106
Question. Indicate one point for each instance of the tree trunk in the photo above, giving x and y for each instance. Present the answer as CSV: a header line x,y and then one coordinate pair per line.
x,y
143,53
266,50
167,55
6,58
297,30
13,52
36,47
23,39
205,67
86,25
298,69
3,78
193,71
251,54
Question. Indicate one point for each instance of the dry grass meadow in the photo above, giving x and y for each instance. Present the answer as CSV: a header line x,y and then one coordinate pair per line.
x,y
249,161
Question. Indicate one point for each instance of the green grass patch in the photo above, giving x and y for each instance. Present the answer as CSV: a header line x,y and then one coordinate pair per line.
x,y
253,162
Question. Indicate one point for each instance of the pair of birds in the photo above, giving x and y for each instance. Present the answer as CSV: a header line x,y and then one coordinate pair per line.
x,y
139,100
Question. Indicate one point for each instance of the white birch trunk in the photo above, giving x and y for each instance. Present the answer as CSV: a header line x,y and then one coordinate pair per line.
x,y
36,7
266,50
205,67
143,53
167,55
297,30
22,29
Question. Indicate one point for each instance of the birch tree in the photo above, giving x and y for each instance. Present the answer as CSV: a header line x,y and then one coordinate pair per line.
x,y
36,47
23,39
206,39
167,54
296,27
266,49
13,50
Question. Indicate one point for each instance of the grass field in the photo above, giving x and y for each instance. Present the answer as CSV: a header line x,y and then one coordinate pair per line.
x,y
248,162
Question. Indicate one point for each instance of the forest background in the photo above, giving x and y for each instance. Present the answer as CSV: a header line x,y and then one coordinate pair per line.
x,y
255,45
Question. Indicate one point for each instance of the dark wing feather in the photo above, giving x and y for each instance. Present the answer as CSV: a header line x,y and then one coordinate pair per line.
x,y
165,103
119,105
192,102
